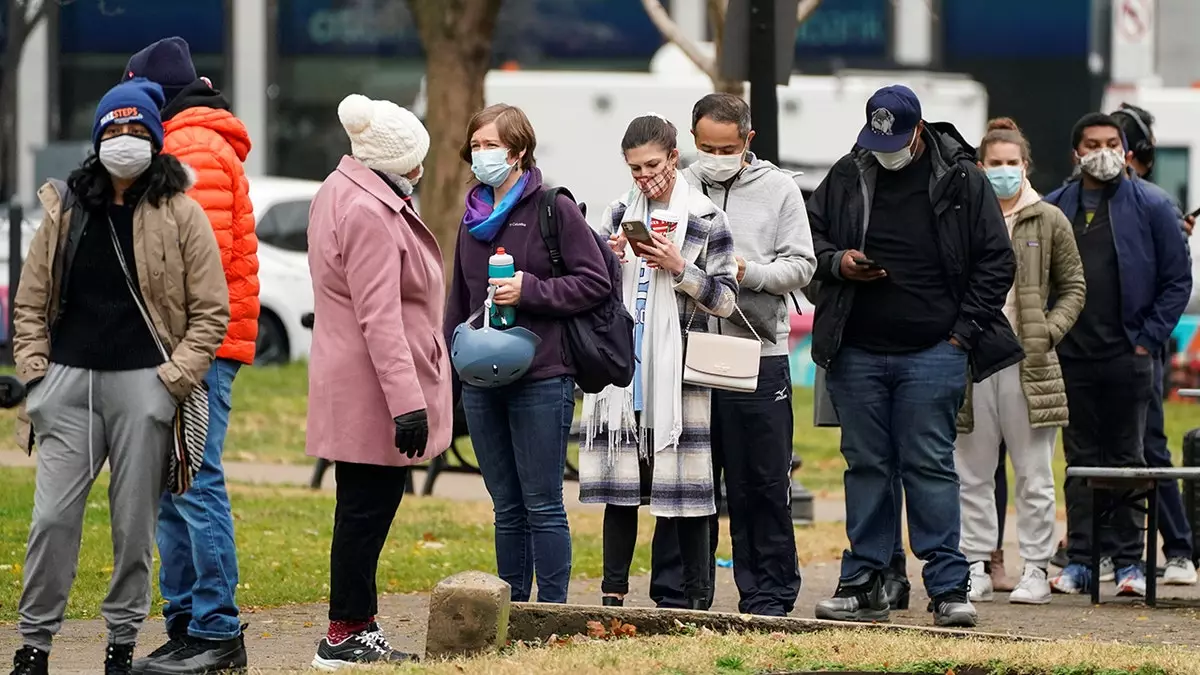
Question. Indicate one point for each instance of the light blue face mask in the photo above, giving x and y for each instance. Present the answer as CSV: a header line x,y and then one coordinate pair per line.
x,y
491,166
1006,180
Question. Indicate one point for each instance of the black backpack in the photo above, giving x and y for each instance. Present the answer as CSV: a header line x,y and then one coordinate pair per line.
x,y
600,339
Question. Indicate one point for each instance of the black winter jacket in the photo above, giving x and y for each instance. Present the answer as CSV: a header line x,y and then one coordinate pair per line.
x,y
977,255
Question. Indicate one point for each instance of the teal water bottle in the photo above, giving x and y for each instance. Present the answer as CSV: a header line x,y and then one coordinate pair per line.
x,y
501,266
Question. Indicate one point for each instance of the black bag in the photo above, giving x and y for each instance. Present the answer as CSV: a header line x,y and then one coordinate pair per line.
x,y
1191,491
600,339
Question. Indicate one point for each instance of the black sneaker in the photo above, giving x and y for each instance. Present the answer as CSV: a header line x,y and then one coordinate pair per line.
x,y
366,646
864,602
31,661
199,657
176,640
118,660
953,610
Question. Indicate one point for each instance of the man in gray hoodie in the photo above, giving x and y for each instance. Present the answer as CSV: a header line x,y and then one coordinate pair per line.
x,y
751,432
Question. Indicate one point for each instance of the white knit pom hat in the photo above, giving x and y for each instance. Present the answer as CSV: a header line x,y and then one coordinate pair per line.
x,y
383,136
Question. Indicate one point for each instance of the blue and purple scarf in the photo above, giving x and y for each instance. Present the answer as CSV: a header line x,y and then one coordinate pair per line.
x,y
483,218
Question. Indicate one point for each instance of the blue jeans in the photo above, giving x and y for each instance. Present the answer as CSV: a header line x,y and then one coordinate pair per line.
x,y
520,437
898,416
199,571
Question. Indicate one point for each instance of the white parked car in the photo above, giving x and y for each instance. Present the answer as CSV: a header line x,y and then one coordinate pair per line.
x,y
281,213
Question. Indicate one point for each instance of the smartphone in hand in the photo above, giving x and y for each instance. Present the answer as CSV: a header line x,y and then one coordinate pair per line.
x,y
638,234
867,263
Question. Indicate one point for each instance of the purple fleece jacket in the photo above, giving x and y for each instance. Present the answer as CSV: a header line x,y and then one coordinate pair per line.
x,y
546,301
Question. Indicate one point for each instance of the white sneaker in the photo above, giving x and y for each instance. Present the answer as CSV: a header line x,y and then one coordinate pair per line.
x,y
1033,589
1107,571
981,583
1180,572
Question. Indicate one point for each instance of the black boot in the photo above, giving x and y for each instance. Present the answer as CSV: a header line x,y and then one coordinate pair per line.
x,y
865,602
897,589
177,639
31,661
202,656
118,660
699,604
612,601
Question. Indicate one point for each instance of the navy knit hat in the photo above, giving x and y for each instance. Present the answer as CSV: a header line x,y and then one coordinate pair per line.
x,y
167,62
137,100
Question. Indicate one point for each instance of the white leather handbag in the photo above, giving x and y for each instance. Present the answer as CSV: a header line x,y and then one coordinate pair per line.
x,y
722,361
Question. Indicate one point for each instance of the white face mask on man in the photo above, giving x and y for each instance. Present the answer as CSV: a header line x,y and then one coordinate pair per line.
x,y
126,156
1103,164
894,161
719,168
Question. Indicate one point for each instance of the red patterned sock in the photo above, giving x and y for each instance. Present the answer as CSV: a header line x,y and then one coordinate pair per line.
x,y
340,630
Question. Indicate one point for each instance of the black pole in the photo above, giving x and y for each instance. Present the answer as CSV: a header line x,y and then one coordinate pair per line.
x,y
16,216
764,103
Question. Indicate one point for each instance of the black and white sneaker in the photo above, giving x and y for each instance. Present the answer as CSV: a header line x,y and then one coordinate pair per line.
x,y
366,646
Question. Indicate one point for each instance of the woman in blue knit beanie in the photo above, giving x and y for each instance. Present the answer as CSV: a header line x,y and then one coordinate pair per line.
x,y
121,306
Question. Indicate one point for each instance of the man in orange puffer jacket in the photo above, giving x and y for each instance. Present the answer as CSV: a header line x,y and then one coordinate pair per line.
x,y
195,531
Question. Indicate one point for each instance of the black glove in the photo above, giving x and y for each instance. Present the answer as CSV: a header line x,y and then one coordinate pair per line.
x,y
412,433
12,392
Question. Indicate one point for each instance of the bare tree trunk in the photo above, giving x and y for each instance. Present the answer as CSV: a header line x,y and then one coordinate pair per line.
x,y
457,37
23,17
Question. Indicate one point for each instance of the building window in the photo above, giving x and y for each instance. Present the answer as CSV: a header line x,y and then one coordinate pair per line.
x,y
96,39
1171,173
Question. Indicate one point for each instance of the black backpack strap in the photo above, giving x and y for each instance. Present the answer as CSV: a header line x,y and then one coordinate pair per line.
x,y
549,225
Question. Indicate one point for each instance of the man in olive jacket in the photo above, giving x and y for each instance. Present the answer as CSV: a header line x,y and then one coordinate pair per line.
x,y
915,263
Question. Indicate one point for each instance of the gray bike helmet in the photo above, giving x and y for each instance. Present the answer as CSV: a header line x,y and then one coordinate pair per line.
x,y
489,358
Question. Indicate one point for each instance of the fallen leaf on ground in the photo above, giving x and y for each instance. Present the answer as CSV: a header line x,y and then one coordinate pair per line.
x,y
596,630
626,630
428,536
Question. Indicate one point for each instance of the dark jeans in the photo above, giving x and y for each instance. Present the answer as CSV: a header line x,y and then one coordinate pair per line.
x,y
1108,403
620,540
752,448
1172,518
367,499
519,433
898,417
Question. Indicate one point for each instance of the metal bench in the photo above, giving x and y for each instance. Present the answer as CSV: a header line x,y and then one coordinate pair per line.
x,y
1130,486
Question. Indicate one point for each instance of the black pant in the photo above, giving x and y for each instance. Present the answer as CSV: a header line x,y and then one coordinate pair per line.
x,y
367,499
1108,401
620,540
1001,494
752,447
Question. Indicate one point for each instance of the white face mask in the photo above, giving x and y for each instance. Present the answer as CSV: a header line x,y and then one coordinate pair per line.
x,y
894,161
126,156
719,168
1103,164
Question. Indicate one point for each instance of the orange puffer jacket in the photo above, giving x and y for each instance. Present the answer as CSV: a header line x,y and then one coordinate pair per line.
x,y
215,143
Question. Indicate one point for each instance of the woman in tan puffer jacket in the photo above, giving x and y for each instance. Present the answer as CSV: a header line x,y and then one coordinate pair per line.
x,y
1023,405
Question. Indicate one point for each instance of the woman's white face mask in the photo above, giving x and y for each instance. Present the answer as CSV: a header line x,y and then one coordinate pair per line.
x,y
126,156
894,161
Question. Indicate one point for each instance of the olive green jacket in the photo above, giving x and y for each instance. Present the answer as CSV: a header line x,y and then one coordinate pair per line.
x,y
1048,270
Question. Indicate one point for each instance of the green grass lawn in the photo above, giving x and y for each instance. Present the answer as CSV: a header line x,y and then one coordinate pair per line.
x,y
269,407
283,537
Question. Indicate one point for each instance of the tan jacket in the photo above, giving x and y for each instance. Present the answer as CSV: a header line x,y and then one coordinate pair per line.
x,y
1047,263
179,273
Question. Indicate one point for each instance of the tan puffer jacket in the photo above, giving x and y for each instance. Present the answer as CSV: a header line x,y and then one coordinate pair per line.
x,y
1048,266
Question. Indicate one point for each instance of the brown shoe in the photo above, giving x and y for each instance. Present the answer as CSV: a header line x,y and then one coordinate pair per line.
x,y
1000,580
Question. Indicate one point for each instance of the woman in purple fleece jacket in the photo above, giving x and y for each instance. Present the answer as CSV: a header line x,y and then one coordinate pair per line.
x,y
519,432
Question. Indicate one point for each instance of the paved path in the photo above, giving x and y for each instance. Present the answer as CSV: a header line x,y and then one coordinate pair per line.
x,y
286,637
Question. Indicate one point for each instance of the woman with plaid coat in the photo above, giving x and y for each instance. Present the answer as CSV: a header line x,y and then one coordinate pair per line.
x,y
650,443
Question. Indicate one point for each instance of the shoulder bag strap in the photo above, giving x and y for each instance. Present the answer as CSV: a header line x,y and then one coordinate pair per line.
x,y
137,297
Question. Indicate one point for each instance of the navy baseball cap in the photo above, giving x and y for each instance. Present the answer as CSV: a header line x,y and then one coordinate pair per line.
x,y
893,113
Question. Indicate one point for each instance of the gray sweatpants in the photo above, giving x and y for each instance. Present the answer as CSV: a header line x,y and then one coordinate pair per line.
x,y
80,418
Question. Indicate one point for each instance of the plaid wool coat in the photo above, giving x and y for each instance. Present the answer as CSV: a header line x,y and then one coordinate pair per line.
x,y
682,482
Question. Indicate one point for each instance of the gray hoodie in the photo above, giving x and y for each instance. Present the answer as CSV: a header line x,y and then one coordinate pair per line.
x,y
770,231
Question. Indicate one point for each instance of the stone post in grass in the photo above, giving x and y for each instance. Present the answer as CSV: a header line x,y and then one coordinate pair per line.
x,y
468,615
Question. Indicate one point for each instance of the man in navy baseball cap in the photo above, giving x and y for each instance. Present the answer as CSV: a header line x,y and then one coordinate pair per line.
x,y
893,116
914,263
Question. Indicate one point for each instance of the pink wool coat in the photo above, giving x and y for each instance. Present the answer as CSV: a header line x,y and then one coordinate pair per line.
x,y
377,349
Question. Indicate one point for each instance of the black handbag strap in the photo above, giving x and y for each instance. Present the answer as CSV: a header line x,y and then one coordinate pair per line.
x,y
137,297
